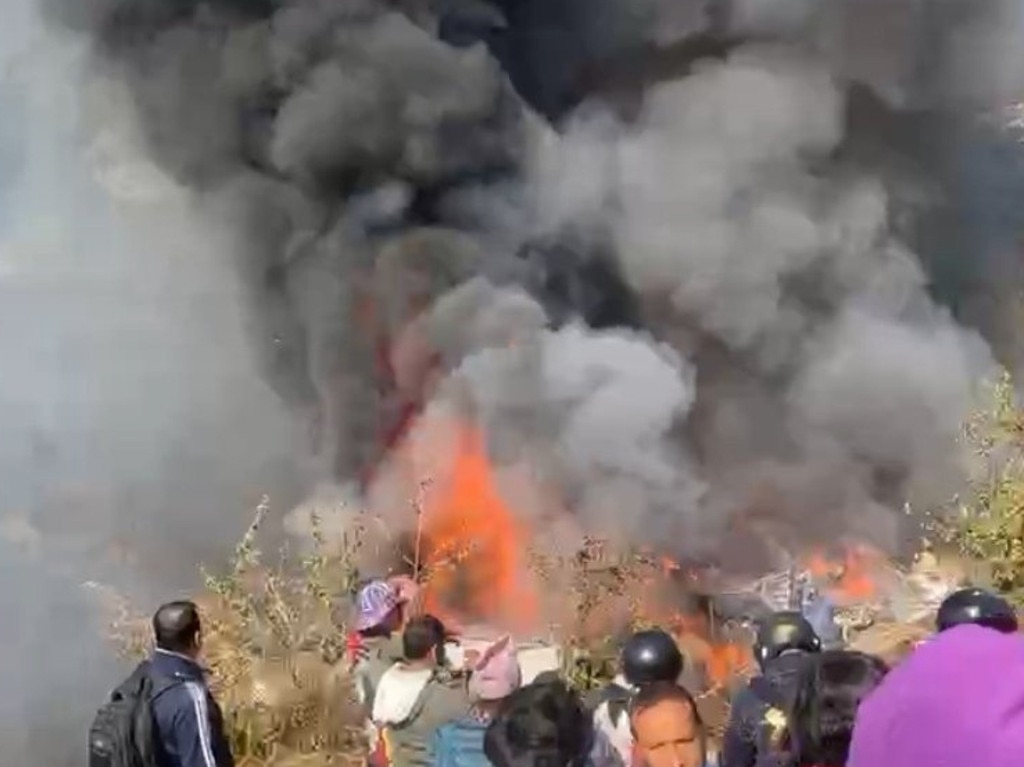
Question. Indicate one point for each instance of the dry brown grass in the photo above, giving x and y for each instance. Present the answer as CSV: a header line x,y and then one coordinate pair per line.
x,y
274,634
275,650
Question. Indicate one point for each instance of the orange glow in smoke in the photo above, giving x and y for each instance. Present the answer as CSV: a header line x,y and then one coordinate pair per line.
x,y
849,576
695,632
722,661
727,661
473,547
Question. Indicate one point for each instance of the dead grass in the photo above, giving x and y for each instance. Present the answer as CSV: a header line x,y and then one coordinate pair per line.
x,y
274,633
275,649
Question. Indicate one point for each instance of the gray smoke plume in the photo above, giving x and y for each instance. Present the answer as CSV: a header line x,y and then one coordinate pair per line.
x,y
830,357
137,433
703,267
759,205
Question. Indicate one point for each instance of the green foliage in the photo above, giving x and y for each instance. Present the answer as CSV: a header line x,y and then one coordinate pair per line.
x,y
990,526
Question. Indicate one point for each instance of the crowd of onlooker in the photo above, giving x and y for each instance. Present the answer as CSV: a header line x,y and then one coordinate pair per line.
x,y
957,700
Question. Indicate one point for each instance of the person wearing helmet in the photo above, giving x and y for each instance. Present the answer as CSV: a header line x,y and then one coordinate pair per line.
x,y
647,657
784,644
979,607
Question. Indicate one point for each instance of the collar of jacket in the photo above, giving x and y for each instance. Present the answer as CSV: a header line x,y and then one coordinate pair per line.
x,y
172,664
621,681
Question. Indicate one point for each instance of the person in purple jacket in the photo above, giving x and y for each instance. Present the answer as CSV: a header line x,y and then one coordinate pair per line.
x,y
189,727
957,701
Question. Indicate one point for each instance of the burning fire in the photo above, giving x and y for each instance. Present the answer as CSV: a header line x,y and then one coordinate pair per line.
x,y
723,660
849,576
471,547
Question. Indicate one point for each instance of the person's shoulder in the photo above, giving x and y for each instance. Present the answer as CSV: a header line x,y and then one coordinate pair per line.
x,y
182,696
447,698
459,729
449,688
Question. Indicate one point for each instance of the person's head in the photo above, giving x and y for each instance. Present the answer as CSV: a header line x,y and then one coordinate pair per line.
x,y
667,727
423,641
176,628
496,675
378,609
540,725
784,632
651,656
957,699
829,692
977,606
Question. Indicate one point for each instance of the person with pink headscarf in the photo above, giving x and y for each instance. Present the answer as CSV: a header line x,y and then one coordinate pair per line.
x,y
495,676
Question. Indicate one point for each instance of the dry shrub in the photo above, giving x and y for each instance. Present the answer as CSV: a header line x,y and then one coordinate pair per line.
x,y
275,649
989,525
597,593
274,643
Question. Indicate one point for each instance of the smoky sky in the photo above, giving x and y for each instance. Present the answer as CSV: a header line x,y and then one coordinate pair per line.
x,y
119,463
711,272
790,196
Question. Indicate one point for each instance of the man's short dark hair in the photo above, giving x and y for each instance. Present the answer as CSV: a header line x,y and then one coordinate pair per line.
x,y
422,634
541,725
652,694
176,626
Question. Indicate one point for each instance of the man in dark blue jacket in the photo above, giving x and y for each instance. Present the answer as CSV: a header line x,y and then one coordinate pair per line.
x,y
188,722
757,722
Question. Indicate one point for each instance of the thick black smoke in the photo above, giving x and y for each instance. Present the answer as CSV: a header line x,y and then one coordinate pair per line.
x,y
746,181
689,263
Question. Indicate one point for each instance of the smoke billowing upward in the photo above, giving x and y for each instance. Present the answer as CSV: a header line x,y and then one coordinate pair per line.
x,y
692,262
136,431
752,195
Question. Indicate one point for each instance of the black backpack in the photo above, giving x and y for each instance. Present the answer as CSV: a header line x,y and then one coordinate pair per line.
x,y
122,734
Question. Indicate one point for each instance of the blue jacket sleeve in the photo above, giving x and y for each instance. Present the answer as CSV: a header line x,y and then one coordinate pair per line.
x,y
197,741
443,751
739,747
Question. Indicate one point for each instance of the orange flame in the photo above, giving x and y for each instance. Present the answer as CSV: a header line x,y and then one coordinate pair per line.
x,y
723,661
850,576
727,661
473,547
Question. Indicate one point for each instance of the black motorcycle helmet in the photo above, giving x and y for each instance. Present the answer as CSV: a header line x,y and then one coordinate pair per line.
x,y
782,632
651,656
977,606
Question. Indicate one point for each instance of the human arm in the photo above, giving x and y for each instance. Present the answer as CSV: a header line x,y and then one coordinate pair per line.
x,y
197,731
739,746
